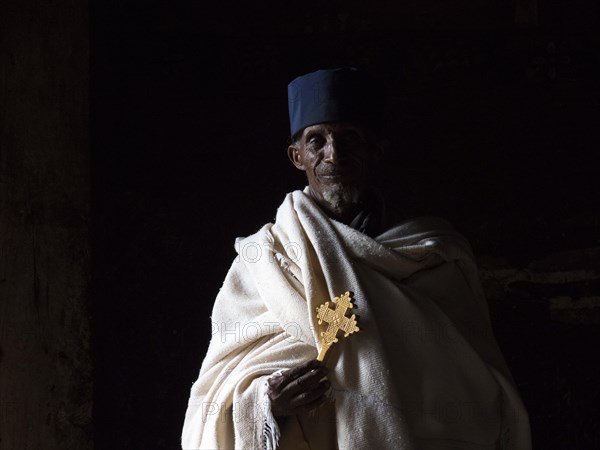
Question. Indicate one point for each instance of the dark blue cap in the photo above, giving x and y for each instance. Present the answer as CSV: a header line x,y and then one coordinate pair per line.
x,y
345,94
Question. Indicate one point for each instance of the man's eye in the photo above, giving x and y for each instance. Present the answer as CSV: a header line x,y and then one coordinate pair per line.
x,y
315,140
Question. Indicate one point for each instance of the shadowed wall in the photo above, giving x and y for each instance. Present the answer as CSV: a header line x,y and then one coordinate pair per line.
x,y
45,365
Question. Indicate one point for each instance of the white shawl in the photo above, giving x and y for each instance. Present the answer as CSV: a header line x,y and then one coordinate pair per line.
x,y
424,372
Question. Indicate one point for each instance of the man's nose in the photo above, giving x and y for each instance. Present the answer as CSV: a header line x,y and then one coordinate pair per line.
x,y
331,151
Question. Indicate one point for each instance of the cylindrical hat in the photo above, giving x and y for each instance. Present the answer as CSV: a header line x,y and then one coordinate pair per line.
x,y
344,94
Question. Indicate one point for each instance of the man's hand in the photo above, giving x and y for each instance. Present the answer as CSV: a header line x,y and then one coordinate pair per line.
x,y
298,389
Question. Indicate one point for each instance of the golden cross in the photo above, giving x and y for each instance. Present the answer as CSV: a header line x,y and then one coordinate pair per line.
x,y
336,320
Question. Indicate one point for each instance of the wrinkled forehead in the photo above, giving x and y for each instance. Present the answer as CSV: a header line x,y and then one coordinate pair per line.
x,y
335,127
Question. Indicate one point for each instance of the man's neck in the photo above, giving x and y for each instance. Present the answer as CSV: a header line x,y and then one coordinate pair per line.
x,y
367,216
340,211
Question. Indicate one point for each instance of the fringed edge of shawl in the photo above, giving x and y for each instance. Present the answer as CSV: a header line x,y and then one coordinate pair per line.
x,y
271,432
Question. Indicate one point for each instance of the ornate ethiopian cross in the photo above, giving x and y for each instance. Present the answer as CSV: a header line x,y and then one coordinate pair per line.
x,y
336,320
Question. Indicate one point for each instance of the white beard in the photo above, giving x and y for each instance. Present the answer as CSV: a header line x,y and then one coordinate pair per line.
x,y
342,197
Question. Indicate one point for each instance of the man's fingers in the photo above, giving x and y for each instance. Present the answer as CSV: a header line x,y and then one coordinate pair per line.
x,y
312,377
309,396
300,370
303,384
304,377
277,380
298,389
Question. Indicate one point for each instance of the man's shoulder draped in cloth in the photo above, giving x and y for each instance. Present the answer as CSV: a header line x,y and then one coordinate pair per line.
x,y
424,372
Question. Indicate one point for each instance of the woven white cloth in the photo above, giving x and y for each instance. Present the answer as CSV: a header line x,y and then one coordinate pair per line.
x,y
424,371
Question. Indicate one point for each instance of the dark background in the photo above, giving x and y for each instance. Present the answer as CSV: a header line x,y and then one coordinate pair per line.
x,y
492,124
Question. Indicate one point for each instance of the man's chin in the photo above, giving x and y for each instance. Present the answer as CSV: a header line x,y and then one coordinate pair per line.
x,y
342,197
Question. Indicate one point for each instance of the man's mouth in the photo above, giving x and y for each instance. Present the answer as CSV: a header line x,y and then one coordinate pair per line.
x,y
332,175
336,173
335,179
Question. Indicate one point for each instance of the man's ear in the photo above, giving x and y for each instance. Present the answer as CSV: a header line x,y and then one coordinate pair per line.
x,y
296,157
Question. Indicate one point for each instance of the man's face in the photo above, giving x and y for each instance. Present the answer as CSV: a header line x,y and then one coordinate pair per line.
x,y
338,159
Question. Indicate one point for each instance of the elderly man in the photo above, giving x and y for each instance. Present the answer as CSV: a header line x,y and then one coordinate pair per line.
x,y
415,367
